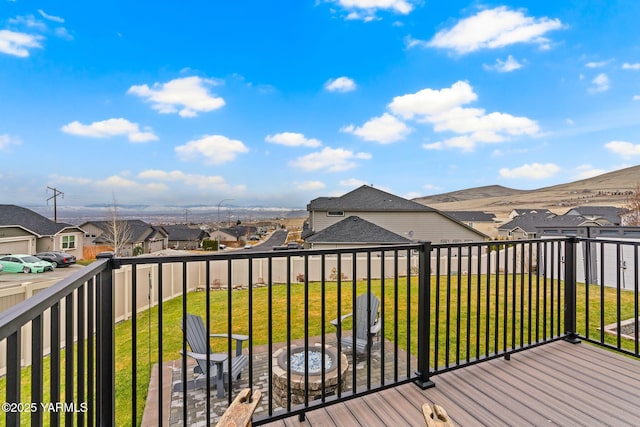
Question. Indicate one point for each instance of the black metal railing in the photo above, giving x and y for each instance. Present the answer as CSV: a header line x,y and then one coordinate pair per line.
x,y
100,337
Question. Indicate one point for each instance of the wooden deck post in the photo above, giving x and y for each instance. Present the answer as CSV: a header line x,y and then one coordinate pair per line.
x,y
570,266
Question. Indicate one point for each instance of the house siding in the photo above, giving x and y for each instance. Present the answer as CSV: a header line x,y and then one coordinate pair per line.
x,y
417,226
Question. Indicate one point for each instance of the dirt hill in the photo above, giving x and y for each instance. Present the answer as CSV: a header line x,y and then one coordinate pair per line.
x,y
609,189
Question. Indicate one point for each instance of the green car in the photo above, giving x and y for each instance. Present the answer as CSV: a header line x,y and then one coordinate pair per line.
x,y
24,264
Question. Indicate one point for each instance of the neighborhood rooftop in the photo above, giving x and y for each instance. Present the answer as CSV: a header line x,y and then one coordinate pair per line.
x,y
366,198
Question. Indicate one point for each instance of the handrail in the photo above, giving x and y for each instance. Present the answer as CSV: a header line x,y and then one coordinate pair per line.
x,y
27,310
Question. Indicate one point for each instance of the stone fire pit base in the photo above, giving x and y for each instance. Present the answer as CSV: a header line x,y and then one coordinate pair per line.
x,y
316,389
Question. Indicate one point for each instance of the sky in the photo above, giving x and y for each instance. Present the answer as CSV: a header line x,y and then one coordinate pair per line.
x,y
275,103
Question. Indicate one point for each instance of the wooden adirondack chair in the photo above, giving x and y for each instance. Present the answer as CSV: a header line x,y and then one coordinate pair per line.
x,y
366,325
219,365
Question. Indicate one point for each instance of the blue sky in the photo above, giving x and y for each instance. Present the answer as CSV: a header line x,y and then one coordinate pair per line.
x,y
276,103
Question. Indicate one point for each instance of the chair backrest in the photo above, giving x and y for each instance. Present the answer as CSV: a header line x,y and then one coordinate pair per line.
x,y
197,337
364,303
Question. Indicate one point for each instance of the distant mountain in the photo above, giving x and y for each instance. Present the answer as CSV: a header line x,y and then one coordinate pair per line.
x,y
470,194
609,189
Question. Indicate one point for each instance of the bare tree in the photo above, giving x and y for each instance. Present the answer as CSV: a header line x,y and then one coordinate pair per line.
x,y
118,233
632,208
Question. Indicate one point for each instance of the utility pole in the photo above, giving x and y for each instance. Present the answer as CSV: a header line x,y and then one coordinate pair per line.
x,y
186,216
56,193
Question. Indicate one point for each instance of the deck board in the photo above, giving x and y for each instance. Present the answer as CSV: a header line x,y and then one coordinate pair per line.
x,y
554,384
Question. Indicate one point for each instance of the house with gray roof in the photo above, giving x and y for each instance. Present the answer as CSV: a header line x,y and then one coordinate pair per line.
x,y
353,231
531,226
605,215
142,235
23,231
181,236
397,215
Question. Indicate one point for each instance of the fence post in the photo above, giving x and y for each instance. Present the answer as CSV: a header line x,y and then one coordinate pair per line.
x,y
105,340
570,265
424,317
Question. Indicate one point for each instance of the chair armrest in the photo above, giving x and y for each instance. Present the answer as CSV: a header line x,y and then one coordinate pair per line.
x,y
335,322
239,340
214,357
375,328
236,337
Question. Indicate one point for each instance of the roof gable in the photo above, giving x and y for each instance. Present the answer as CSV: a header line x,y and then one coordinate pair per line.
x,y
364,199
356,230
30,220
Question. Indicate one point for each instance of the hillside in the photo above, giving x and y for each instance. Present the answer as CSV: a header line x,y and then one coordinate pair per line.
x,y
609,189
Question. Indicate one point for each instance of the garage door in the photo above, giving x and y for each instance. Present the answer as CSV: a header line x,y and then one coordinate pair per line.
x,y
14,247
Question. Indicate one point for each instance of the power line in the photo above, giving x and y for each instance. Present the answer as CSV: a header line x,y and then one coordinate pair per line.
x,y
56,193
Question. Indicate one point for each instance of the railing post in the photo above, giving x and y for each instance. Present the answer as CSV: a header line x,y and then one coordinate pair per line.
x,y
424,316
570,265
105,381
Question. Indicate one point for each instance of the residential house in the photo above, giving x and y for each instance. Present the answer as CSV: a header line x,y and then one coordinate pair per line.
x,y
481,221
605,215
396,215
141,235
531,226
531,211
23,231
353,231
181,236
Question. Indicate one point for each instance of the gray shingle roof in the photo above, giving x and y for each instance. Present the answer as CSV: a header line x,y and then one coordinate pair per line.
x,y
476,216
356,230
366,198
19,216
140,230
181,232
610,213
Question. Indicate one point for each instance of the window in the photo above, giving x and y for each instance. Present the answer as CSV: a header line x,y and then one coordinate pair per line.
x,y
335,213
68,242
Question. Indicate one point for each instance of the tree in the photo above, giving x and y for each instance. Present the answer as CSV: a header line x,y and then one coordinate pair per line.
x,y
118,233
632,208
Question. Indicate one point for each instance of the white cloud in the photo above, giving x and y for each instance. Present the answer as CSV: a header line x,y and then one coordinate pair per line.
x,y
292,139
352,182
587,171
384,129
310,185
494,28
330,159
412,195
600,83
636,97
72,180
109,128
117,182
599,64
187,96
191,180
432,101
6,141
50,17
403,7
510,64
442,108
18,44
215,149
628,66
623,148
341,84
531,171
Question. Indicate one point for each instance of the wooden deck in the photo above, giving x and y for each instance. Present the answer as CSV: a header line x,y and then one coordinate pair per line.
x,y
556,384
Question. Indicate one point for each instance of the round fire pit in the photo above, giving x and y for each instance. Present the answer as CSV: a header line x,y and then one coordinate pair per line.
x,y
297,367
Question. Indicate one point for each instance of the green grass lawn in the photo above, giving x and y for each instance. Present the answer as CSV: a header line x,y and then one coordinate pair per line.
x,y
453,319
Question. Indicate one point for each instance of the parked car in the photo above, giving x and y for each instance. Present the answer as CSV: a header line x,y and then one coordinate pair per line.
x,y
60,259
25,264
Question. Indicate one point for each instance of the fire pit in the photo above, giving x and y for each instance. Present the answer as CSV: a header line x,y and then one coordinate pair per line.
x,y
297,359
